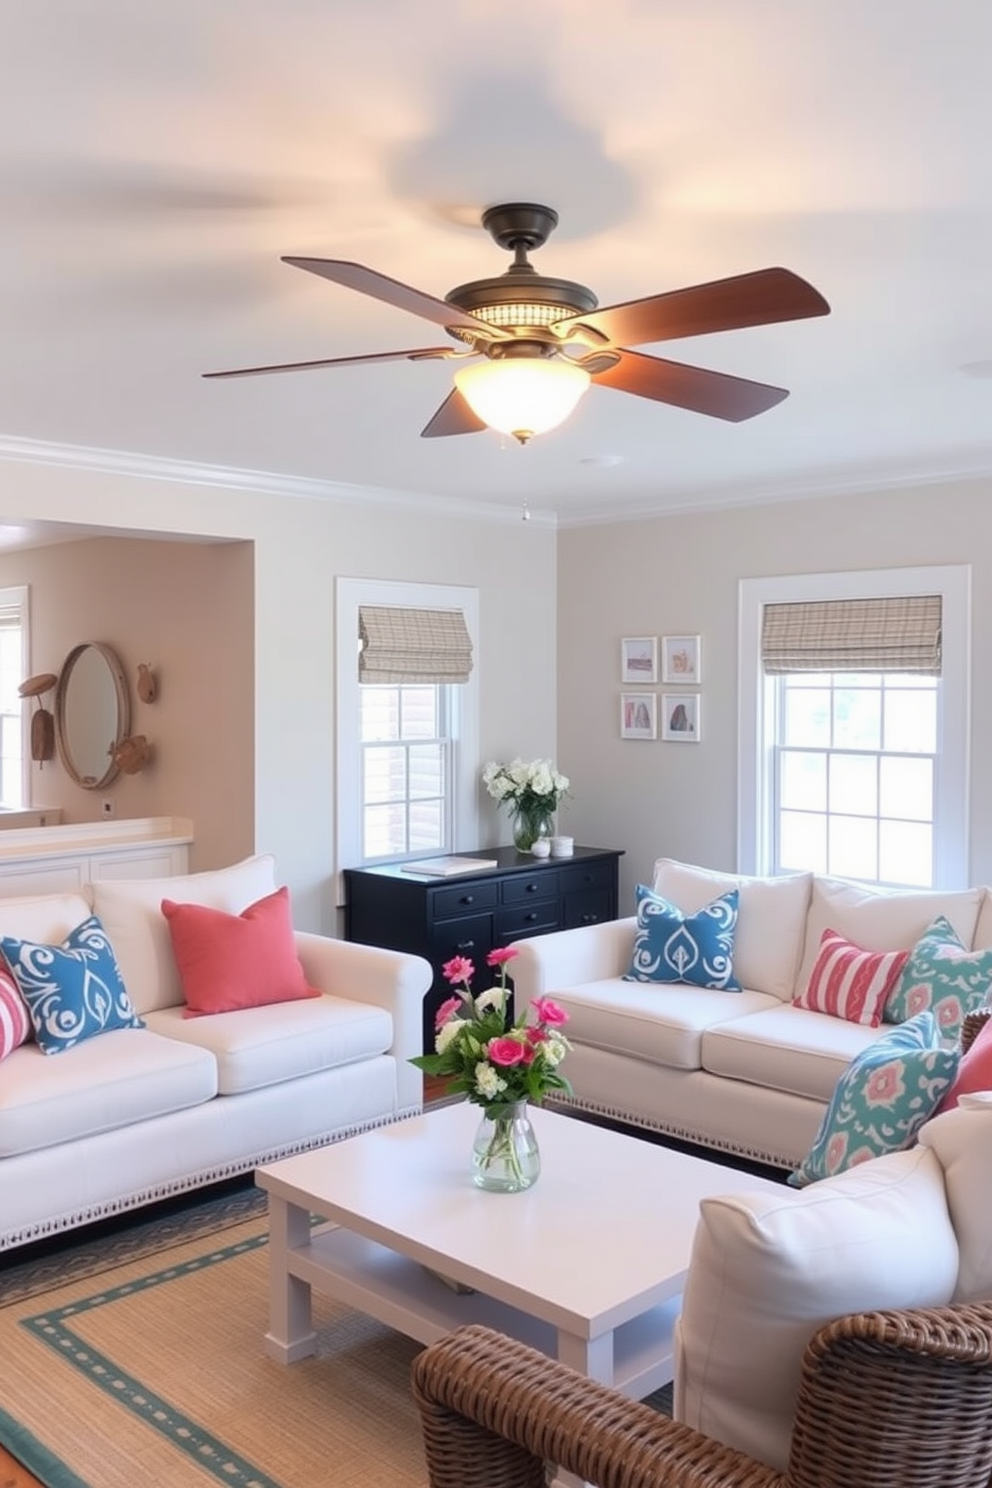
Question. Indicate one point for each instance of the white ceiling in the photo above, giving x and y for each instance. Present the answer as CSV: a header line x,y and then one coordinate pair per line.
x,y
157,159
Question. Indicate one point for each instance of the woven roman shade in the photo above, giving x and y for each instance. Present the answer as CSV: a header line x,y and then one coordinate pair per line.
x,y
413,645
899,634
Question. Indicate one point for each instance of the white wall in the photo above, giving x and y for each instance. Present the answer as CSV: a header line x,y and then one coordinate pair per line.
x,y
679,575
300,545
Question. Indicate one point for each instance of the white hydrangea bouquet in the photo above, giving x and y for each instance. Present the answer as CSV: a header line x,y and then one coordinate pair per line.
x,y
533,790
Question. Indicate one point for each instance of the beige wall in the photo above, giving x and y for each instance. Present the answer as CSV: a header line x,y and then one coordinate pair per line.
x,y
679,575
188,610
299,546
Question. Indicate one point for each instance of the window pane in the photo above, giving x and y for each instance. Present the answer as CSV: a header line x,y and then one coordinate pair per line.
x,y
384,831
807,718
857,718
426,770
804,781
803,841
906,853
419,712
426,826
857,679
385,773
854,784
853,851
906,788
380,713
911,721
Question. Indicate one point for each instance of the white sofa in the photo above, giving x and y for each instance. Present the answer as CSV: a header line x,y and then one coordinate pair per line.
x,y
745,1072
136,1115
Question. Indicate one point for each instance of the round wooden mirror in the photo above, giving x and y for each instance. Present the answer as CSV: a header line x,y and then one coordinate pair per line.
x,y
92,714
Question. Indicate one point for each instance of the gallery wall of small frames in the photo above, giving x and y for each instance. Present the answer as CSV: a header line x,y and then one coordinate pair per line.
x,y
674,715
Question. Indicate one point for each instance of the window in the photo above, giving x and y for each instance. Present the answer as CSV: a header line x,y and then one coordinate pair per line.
x,y
14,783
857,773
407,750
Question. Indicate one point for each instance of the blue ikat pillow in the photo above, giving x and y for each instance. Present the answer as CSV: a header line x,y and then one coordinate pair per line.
x,y
882,1099
696,949
72,991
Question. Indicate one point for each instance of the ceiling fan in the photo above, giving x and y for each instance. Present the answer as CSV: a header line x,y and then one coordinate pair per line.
x,y
542,341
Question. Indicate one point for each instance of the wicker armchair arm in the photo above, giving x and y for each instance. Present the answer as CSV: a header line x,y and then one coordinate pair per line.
x,y
972,1027
494,1412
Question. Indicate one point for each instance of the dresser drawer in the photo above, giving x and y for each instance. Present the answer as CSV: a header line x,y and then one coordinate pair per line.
x,y
465,899
470,936
587,908
601,875
535,917
541,884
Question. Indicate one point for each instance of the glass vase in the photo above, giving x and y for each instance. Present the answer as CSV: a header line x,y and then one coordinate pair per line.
x,y
530,823
505,1154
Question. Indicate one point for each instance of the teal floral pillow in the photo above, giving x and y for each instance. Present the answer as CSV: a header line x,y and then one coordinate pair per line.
x,y
72,991
943,975
670,946
882,1099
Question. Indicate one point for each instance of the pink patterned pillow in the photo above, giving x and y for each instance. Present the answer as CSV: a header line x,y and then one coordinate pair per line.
x,y
15,1025
851,983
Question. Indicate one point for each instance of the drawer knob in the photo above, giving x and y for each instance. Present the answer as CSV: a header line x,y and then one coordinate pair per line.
x,y
531,917
589,919
465,945
468,899
532,888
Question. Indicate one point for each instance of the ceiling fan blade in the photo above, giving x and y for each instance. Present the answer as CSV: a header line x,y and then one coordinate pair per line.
x,y
453,417
715,393
392,292
418,354
761,298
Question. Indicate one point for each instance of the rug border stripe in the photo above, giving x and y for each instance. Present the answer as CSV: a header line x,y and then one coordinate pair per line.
x,y
36,1457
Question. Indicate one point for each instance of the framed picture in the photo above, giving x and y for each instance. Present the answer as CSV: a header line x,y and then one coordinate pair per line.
x,y
639,659
638,715
680,660
680,717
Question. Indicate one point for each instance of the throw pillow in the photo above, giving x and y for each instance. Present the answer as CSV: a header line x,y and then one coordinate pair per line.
x,y
73,991
227,962
944,975
15,1024
974,1072
882,1099
851,983
670,946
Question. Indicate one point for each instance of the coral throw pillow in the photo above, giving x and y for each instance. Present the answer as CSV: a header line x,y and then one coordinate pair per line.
x,y
227,962
15,1025
974,1072
850,983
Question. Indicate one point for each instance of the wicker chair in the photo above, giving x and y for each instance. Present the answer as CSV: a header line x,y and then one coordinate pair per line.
x,y
886,1400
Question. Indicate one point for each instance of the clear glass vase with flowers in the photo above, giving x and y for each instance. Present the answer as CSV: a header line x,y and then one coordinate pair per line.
x,y
532,791
501,1064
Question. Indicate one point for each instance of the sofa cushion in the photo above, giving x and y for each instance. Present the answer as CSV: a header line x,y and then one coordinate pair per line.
x,y
42,917
974,1073
767,1270
665,1028
261,1046
882,1099
671,946
944,975
786,1048
15,1024
961,1140
236,961
849,982
105,1083
771,919
882,919
131,913
73,991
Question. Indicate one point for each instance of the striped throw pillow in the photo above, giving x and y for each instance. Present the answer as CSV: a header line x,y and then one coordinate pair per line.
x,y
15,1025
851,983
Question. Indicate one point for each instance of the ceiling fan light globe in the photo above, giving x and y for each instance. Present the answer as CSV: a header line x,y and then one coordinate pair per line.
x,y
522,396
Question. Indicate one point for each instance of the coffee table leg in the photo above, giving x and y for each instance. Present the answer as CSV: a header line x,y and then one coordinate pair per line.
x,y
290,1336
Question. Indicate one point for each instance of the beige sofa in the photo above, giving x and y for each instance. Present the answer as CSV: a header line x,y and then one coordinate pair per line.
x,y
136,1115
745,1072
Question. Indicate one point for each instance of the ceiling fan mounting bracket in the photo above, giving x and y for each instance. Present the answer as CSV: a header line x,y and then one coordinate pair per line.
x,y
520,225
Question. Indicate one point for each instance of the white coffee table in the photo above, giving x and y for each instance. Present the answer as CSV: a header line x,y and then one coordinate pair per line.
x,y
588,1265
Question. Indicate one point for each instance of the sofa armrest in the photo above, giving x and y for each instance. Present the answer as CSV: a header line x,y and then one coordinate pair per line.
x,y
590,953
393,980
493,1411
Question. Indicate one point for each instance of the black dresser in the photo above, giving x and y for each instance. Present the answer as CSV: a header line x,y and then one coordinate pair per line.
x,y
472,913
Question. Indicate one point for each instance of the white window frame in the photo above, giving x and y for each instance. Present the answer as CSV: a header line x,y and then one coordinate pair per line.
x,y
16,597
464,720
756,720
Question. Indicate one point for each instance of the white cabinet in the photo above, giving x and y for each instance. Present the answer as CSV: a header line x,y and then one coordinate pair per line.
x,y
56,860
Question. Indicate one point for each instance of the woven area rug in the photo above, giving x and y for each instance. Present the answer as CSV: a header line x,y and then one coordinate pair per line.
x,y
138,1359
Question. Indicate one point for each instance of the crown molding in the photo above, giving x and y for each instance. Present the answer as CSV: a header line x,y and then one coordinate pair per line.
x,y
188,472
